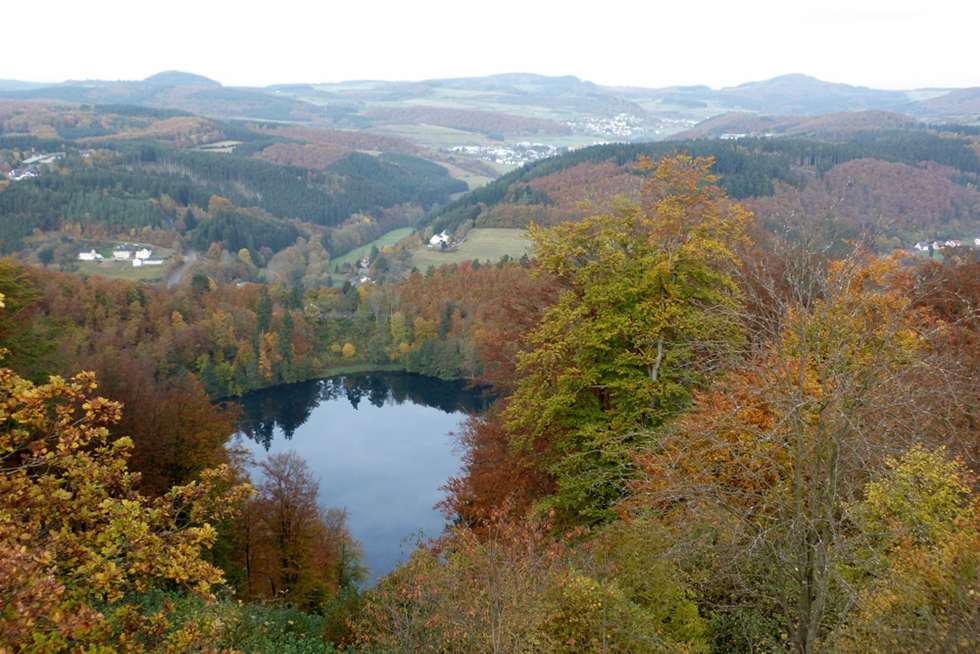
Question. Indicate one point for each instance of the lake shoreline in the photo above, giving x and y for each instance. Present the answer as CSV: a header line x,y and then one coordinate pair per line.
x,y
335,371
381,444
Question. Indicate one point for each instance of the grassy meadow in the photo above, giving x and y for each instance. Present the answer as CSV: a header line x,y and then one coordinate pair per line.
x,y
431,135
390,238
480,244
122,270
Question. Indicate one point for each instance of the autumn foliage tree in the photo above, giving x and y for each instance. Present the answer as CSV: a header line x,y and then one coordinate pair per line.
x,y
519,587
838,374
290,548
77,541
644,309
925,594
496,479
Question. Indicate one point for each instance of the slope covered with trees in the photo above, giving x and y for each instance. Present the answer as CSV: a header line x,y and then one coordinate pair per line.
x,y
131,168
791,480
715,432
934,195
709,438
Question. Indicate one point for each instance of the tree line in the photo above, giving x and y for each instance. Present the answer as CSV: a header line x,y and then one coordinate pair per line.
x,y
713,438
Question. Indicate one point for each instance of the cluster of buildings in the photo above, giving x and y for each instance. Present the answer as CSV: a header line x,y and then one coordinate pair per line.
x,y
925,246
622,125
139,255
28,167
517,154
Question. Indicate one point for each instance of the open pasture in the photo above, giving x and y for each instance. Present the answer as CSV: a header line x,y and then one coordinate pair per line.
x,y
482,244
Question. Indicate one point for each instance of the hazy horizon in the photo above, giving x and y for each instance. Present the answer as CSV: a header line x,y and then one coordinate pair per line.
x,y
896,45
426,79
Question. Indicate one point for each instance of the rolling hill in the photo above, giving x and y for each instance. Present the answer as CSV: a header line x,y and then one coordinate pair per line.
x,y
560,111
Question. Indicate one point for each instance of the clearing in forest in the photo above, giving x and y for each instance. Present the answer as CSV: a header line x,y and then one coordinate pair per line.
x,y
482,244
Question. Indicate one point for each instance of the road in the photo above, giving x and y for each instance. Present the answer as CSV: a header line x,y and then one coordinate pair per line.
x,y
189,258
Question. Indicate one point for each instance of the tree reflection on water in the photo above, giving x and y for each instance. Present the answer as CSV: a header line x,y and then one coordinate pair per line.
x,y
288,406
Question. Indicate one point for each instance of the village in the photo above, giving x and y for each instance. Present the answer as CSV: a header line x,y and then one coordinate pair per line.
x,y
517,154
624,125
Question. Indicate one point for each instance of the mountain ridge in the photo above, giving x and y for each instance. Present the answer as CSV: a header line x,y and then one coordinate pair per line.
x,y
560,111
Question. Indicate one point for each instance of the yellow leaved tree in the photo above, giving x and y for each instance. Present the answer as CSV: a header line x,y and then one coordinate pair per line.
x,y
78,543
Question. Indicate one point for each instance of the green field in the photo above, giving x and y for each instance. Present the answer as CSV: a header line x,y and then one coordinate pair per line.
x,y
480,244
503,169
390,238
122,270
431,135
465,99
476,181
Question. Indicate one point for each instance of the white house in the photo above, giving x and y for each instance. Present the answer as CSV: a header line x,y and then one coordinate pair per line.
x,y
122,253
21,173
144,253
89,255
438,239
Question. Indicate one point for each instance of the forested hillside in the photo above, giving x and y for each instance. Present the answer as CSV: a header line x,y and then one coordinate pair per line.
x,y
133,169
735,411
708,437
918,184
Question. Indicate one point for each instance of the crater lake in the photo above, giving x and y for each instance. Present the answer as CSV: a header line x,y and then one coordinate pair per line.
x,y
380,444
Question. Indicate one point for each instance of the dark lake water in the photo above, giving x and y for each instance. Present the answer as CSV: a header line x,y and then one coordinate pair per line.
x,y
379,442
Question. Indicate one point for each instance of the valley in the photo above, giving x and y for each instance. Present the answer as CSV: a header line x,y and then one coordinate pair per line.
x,y
708,357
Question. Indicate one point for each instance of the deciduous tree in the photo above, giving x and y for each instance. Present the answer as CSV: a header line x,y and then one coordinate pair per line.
x,y
76,538
645,308
775,457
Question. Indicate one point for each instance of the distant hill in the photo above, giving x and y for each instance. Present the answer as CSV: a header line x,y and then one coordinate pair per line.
x,y
518,83
831,127
962,102
207,98
18,85
795,94
178,78
804,95
480,115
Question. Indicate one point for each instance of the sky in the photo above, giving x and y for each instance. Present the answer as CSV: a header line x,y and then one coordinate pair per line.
x,y
893,44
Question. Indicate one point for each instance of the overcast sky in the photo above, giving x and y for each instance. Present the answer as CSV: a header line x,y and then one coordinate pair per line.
x,y
894,44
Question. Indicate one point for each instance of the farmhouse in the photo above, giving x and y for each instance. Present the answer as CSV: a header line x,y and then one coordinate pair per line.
x,y
122,253
21,173
89,255
438,239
